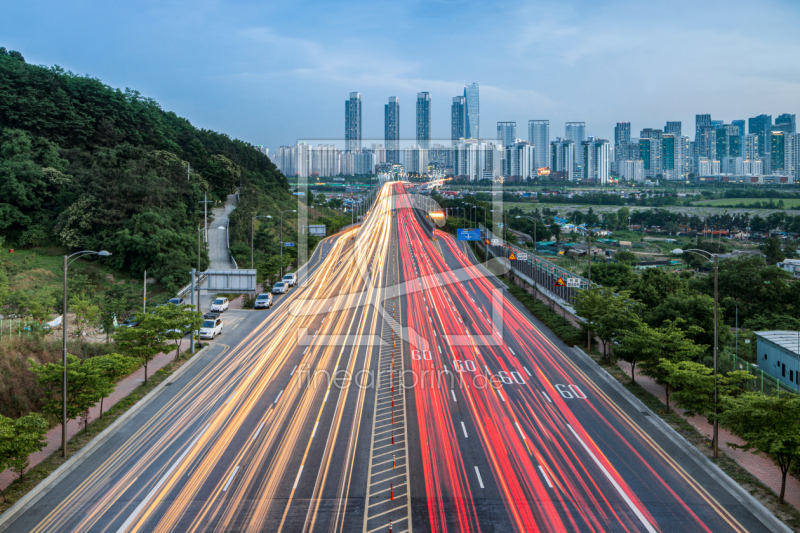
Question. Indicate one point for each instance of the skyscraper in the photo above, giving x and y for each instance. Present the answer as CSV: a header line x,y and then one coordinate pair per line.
x,y
576,132
761,126
786,123
506,133
472,118
562,158
458,117
673,128
424,120
539,137
597,160
391,130
622,133
699,122
352,122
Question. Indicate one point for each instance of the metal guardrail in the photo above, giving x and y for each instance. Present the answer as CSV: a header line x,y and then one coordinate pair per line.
x,y
228,236
184,291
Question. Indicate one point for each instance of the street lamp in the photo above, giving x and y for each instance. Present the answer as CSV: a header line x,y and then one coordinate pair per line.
x,y
282,212
535,263
708,255
485,246
252,235
67,262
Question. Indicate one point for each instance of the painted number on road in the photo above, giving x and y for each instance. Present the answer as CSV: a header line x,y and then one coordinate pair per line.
x,y
570,391
415,355
509,378
467,365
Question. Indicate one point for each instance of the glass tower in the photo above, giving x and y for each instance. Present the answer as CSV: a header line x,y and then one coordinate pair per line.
x,y
424,119
352,122
392,130
458,115
472,118
539,137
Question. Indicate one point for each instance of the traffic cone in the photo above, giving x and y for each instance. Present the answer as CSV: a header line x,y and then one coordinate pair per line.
x,y
393,463
391,491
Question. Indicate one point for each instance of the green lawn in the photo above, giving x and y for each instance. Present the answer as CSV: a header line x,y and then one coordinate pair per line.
x,y
790,203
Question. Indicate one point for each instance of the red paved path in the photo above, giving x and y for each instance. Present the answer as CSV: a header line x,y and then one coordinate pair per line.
x,y
124,388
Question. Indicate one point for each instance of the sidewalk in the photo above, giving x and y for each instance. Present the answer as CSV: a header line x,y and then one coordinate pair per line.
x,y
759,465
124,388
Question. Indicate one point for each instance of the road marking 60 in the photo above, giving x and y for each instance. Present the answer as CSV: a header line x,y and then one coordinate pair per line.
x,y
467,365
512,378
570,391
415,355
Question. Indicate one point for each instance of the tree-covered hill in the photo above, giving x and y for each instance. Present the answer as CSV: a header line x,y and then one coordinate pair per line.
x,y
91,167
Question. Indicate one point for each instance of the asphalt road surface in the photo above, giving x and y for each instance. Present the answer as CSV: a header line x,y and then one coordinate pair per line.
x,y
396,388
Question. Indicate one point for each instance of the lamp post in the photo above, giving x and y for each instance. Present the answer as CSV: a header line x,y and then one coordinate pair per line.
x,y
292,211
708,255
535,263
252,235
67,262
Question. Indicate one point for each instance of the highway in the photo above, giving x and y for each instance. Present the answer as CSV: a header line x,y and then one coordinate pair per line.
x,y
396,388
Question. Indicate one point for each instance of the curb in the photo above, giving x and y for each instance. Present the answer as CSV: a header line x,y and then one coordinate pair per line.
x,y
754,506
73,462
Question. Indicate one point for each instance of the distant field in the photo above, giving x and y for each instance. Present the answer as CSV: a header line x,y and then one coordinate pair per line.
x,y
722,202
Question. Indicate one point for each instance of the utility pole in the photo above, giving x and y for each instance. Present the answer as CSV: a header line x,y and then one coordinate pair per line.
x,y
205,221
144,296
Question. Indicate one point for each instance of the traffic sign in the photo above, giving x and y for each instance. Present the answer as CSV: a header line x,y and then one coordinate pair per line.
x,y
288,244
512,256
497,242
560,282
487,242
522,256
468,234
574,282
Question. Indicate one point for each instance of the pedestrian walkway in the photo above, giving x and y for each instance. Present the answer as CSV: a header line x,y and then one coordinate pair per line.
x,y
218,254
759,465
124,388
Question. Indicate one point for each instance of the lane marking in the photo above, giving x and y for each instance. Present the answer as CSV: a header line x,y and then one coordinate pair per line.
x,y
613,481
511,350
527,371
146,500
326,396
278,398
315,430
260,427
544,474
501,396
292,374
546,396
480,481
304,351
520,431
464,428
230,478
454,395
297,479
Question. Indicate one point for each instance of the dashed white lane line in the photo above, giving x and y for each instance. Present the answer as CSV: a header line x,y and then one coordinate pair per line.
x,y
297,479
527,371
292,374
501,396
260,427
478,472
613,481
454,395
464,429
315,430
544,475
546,396
230,479
278,398
520,431
304,351
511,350
440,349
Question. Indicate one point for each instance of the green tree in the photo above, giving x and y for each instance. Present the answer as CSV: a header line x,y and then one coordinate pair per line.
x,y
112,367
772,251
606,314
609,274
626,257
768,424
86,313
27,436
146,340
179,320
637,343
86,385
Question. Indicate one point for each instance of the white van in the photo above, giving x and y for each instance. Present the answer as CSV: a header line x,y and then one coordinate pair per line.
x,y
263,300
211,328
219,305
290,279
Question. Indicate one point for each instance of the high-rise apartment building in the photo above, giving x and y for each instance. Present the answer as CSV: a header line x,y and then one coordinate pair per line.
x,y
782,148
352,122
673,157
699,122
650,152
519,161
506,133
622,133
761,126
673,128
424,120
562,159
416,160
391,130
472,118
786,123
539,137
476,160
749,150
597,160
458,117
576,132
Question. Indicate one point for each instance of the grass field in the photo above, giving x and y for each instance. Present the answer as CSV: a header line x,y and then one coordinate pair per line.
x,y
791,203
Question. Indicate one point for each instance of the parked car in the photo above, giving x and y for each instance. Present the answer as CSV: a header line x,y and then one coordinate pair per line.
x,y
280,288
290,279
263,300
211,328
220,304
176,301
130,323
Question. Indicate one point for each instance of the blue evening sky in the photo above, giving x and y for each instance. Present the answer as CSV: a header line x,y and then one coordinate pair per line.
x,y
272,72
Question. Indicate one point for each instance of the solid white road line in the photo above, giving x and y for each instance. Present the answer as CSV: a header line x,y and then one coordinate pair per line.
x,y
544,474
161,481
230,479
613,481
260,427
480,481
464,428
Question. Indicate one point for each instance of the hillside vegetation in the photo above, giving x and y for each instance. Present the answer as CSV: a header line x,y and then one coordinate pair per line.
x,y
88,167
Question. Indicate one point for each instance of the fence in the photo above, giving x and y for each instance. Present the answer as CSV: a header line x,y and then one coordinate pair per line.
x,y
764,382
8,328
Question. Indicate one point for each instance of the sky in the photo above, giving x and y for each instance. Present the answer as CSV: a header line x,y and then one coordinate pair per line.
x,y
271,73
